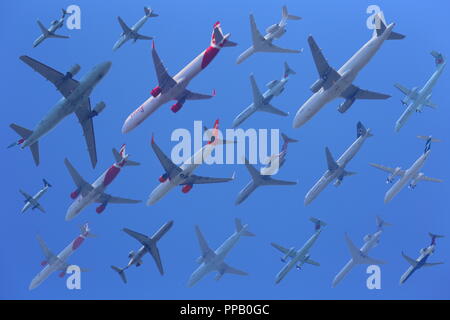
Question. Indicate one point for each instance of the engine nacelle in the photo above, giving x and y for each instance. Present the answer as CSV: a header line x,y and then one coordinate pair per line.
x,y
139,263
74,70
367,238
176,107
156,91
337,183
392,176
298,266
186,188
288,254
344,106
98,108
75,194
272,28
218,276
100,208
413,184
317,85
62,274
163,178
131,254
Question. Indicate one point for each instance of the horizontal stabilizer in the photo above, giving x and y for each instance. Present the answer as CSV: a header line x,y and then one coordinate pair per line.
x,y
318,223
396,36
286,16
149,12
241,228
25,133
439,58
121,273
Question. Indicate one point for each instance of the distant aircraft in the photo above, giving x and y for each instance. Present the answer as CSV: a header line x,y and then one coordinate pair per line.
x,y
86,193
76,100
333,84
50,32
276,161
174,88
183,175
264,43
416,99
420,262
148,245
298,257
58,262
32,202
411,175
336,169
360,256
261,102
214,260
132,33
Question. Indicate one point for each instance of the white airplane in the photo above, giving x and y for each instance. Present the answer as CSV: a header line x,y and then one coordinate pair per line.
x,y
264,43
411,175
359,256
86,193
416,99
333,84
183,175
58,262
148,245
336,169
32,202
420,262
261,102
174,88
214,260
132,33
300,257
50,32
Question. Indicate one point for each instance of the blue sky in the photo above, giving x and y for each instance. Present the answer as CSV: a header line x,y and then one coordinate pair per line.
x,y
182,31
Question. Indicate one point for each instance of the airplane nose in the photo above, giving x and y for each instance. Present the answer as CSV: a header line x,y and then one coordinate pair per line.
x,y
106,66
126,126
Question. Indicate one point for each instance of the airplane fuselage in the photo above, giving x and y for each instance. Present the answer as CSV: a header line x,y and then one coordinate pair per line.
x,y
53,27
420,263
348,72
36,197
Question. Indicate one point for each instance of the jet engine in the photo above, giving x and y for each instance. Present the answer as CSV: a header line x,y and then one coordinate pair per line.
x,y
298,266
75,194
138,264
101,208
219,275
73,71
156,91
176,107
272,28
288,254
344,106
416,180
131,254
338,182
163,178
98,108
392,176
317,85
186,188
367,238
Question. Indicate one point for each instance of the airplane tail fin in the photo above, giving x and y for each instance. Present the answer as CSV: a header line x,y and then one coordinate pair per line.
x,y
218,39
86,231
381,28
439,58
286,139
362,131
286,16
381,223
149,12
122,155
429,140
25,133
317,223
434,237
242,228
121,273
46,183
213,135
288,70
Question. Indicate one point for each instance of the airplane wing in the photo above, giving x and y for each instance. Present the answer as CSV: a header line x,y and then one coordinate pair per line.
x,y
142,238
406,91
425,178
165,81
171,169
225,268
207,252
81,184
430,264
142,37
430,104
38,206
123,25
282,249
26,195
252,170
257,96
118,200
270,47
411,261
275,182
358,256
62,84
387,169
323,68
58,36
47,253
354,92
189,95
84,118
257,38
312,262
194,179
271,109
42,27
157,257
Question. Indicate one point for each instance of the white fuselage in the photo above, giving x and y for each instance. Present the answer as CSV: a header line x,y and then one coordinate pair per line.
x,y
342,162
36,197
348,72
187,168
423,97
409,175
69,105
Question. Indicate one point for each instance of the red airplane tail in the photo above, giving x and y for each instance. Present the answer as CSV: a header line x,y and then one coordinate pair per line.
x,y
218,39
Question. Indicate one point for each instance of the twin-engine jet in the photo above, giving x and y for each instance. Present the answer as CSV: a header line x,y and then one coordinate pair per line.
x,y
75,100
333,84
265,43
132,33
86,193
50,31
412,175
32,201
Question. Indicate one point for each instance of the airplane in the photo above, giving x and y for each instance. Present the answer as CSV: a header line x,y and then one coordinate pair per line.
x,y
260,179
416,99
420,262
148,245
264,43
58,262
300,257
50,32
32,202
333,84
276,161
132,33
174,88
261,102
214,260
411,175
75,100
359,256
86,193
183,175
336,169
